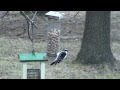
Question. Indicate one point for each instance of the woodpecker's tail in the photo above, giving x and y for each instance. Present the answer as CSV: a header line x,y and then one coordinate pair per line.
x,y
52,63
55,62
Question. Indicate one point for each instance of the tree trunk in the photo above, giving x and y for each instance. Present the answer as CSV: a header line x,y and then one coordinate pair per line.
x,y
96,47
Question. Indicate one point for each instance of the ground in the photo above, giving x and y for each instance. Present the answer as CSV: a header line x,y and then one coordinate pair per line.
x,y
11,45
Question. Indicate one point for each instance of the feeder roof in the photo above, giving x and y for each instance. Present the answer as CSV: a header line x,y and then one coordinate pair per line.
x,y
55,14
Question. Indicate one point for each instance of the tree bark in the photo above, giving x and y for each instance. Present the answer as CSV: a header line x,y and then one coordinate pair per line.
x,y
95,48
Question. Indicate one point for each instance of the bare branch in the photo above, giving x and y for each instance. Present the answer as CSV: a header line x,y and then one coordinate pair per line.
x,y
76,14
34,16
5,14
28,19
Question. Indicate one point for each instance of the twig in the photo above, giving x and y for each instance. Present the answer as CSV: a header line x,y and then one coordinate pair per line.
x,y
5,14
28,19
34,16
76,14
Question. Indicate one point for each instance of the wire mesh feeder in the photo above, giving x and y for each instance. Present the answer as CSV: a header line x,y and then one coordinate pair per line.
x,y
53,38
53,33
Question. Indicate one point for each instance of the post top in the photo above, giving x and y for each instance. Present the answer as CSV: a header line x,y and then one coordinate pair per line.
x,y
55,14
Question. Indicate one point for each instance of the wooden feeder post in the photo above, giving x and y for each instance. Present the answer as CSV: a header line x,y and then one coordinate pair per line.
x,y
38,57
53,32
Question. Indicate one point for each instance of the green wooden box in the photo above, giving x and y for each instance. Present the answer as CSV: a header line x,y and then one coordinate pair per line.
x,y
29,57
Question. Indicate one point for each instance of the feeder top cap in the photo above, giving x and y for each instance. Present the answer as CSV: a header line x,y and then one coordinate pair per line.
x,y
55,14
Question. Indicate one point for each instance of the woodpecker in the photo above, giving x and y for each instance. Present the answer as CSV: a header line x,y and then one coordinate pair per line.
x,y
60,56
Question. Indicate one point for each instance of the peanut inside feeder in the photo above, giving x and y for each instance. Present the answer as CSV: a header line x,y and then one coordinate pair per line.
x,y
53,41
53,33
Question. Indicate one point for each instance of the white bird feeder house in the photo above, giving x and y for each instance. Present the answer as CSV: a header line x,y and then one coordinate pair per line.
x,y
53,32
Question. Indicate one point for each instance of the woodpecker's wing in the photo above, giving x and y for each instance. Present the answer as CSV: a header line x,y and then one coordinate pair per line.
x,y
59,57
62,56
55,58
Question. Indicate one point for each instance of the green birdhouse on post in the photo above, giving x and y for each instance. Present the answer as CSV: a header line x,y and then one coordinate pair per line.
x,y
29,57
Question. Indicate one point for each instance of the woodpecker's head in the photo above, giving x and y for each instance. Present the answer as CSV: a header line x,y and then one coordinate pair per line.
x,y
66,50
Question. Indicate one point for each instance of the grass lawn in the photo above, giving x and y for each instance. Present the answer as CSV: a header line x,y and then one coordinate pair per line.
x,y
11,46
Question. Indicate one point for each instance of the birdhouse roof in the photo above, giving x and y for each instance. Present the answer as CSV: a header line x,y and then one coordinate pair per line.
x,y
29,57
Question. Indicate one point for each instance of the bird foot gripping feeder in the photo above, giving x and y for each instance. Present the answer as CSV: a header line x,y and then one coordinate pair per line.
x,y
38,57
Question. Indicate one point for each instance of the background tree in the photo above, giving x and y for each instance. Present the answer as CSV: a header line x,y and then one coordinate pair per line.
x,y
96,47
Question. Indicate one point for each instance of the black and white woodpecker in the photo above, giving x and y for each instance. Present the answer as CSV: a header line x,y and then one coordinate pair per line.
x,y
60,56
